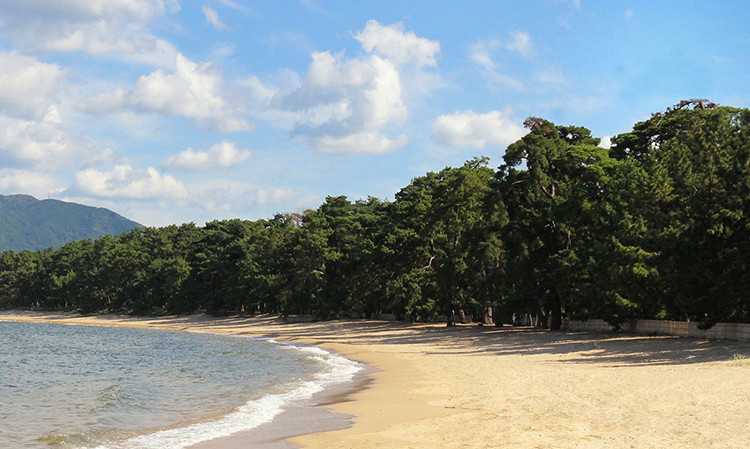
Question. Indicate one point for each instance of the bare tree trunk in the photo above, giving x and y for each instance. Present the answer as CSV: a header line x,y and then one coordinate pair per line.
x,y
556,313
449,319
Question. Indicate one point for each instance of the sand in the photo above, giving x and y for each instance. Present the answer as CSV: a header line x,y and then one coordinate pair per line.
x,y
485,387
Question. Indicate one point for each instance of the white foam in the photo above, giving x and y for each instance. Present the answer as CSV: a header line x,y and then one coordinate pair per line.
x,y
253,413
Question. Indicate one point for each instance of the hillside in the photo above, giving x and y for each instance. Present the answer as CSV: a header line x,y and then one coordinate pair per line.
x,y
29,223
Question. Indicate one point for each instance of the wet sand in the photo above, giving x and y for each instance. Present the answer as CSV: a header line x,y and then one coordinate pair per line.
x,y
487,387
313,417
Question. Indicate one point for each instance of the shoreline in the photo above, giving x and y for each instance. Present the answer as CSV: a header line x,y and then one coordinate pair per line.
x,y
314,415
482,387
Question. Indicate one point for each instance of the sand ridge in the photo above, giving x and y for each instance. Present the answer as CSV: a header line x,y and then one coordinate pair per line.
x,y
486,387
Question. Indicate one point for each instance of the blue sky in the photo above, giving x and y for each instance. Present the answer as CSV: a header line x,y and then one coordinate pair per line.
x,y
171,111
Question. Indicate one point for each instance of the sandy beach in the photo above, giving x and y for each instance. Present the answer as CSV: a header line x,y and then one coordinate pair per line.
x,y
487,387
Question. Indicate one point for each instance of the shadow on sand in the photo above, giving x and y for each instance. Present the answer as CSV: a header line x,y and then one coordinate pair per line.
x,y
605,349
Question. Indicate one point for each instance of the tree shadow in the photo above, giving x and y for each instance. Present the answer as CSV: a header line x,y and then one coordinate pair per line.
x,y
603,349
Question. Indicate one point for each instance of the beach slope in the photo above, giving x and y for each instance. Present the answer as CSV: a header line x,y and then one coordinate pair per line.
x,y
487,387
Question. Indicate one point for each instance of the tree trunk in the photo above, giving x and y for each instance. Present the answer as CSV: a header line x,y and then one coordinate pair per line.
x,y
449,321
555,313
488,317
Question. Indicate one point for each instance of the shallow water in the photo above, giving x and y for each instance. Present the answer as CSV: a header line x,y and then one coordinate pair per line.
x,y
99,387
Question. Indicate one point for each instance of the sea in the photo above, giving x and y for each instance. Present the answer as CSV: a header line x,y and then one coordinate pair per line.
x,y
73,386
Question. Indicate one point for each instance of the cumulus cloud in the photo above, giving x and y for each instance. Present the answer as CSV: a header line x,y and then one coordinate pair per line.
x,y
348,106
33,143
32,132
356,92
124,181
192,90
113,28
340,98
398,46
35,183
606,142
223,154
30,124
212,18
29,87
475,130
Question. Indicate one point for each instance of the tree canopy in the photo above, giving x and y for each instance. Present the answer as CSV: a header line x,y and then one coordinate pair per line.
x,y
654,227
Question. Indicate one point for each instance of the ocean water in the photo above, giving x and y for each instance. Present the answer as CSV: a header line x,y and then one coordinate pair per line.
x,y
64,386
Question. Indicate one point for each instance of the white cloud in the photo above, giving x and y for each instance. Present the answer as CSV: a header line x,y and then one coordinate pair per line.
x,y
97,39
398,46
192,90
360,143
222,154
28,142
112,28
521,43
349,106
126,182
606,142
88,10
226,195
103,156
274,196
260,91
38,184
471,129
32,132
29,87
480,53
341,98
212,18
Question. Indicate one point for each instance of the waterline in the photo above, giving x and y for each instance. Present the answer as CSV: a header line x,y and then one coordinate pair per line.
x,y
253,413
106,387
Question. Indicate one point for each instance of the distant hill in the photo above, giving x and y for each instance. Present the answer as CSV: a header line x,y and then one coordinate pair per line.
x,y
29,223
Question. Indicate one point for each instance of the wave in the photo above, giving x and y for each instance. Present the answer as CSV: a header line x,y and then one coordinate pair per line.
x,y
253,413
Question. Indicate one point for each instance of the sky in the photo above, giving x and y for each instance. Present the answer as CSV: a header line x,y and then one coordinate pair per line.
x,y
175,111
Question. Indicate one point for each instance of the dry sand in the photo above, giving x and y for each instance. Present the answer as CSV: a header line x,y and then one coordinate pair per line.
x,y
484,387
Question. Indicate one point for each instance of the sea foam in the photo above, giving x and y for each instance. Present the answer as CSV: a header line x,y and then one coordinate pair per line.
x,y
254,413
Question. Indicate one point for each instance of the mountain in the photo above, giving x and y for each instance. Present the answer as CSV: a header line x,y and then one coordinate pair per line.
x,y
29,223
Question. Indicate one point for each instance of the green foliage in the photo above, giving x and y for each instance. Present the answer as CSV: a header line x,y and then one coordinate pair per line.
x,y
442,213
697,199
655,227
